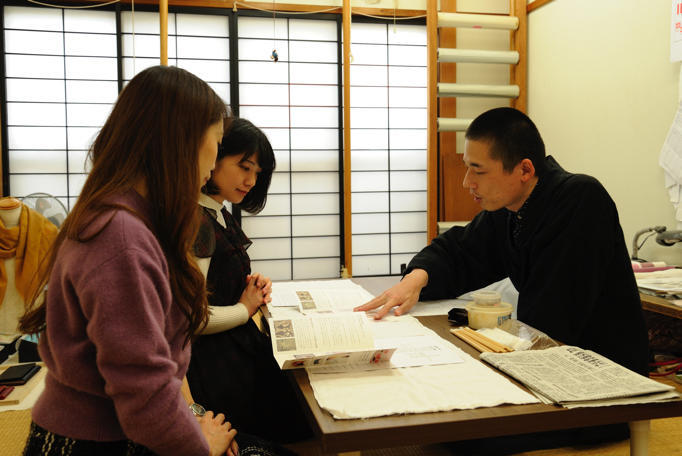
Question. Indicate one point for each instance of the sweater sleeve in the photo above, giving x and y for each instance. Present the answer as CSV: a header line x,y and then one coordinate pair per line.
x,y
223,318
462,259
128,304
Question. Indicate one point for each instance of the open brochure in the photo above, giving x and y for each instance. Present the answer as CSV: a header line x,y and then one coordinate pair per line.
x,y
572,376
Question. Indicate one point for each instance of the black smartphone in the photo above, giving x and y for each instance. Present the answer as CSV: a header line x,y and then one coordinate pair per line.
x,y
18,375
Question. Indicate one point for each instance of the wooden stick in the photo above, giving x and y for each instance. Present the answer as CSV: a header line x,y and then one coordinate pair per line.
x,y
485,340
465,337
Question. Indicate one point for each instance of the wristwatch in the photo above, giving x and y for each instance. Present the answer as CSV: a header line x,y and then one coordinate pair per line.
x,y
197,409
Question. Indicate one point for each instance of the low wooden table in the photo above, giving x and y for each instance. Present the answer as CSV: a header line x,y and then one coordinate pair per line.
x,y
426,428
660,305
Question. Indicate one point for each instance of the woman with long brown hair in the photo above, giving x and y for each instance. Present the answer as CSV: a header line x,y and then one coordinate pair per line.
x,y
125,295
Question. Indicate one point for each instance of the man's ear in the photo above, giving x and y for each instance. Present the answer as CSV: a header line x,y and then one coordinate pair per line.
x,y
527,169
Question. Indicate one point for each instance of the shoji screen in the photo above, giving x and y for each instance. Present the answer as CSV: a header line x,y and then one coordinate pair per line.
x,y
61,82
295,101
198,43
388,145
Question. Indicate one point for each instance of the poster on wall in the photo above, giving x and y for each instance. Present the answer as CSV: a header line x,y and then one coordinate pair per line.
x,y
676,31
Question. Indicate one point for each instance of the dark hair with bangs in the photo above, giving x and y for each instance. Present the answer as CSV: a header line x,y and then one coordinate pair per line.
x,y
512,136
243,137
153,135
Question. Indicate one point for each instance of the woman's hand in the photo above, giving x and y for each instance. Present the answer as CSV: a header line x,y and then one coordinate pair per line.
x,y
252,296
219,434
265,284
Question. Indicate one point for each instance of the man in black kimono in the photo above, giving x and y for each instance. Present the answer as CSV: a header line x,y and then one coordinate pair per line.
x,y
556,235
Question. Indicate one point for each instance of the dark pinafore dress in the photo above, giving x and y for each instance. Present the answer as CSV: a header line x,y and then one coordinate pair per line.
x,y
233,372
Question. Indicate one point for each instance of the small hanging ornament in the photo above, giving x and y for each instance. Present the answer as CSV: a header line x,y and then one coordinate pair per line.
x,y
274,55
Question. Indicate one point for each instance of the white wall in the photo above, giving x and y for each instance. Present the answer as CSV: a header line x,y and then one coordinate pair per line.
x,y
603,93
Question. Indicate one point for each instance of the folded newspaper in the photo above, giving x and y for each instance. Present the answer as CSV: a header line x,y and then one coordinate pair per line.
x,y
574,377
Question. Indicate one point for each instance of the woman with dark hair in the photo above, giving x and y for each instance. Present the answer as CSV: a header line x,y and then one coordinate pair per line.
x,y
125,295
232,368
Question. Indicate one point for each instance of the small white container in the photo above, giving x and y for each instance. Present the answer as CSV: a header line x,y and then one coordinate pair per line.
x,y
487,310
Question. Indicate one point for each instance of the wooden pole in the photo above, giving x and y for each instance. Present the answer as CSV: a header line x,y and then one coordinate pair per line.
x,y
432,114
347,214
163,29
519,43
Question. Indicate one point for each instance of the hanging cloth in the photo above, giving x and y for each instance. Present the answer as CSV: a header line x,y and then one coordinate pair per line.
x,y
28,243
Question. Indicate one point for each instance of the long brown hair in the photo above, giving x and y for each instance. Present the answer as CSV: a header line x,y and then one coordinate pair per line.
x,y
152,135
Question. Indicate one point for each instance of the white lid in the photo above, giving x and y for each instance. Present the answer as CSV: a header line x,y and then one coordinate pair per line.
x,y
486,297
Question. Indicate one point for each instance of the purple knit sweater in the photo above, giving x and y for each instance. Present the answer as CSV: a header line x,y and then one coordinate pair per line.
x,y
113,344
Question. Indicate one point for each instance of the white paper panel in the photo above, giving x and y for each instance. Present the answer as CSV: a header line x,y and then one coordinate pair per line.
x,y
76,182
401,97
44,114
203,48
24,66
315,138
408,242
365,244
91,68
314,117
262,27
35,90
263,94
369,160
368,33
408,201
407,76
407,118
314,95
369,202
259,227
222,89
323,268
408,180
91,91
397,260
314,160
23,185
313,73
81,137
276,270
408,139
279,183
408,222
371,265
282,160
407,34
314,182
301,29
36,137
376,76
369,139
370,223
266,116
312,51
90,44
275,205
310,247
78,162
268,249
33,42
368,118
278,137
407,55
367,54
203,25
408,159
79,20
145,22
208,70
37,161
369,181
263,72
315,204
17,17
315,225
87,115
261,50
361,97
146,46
